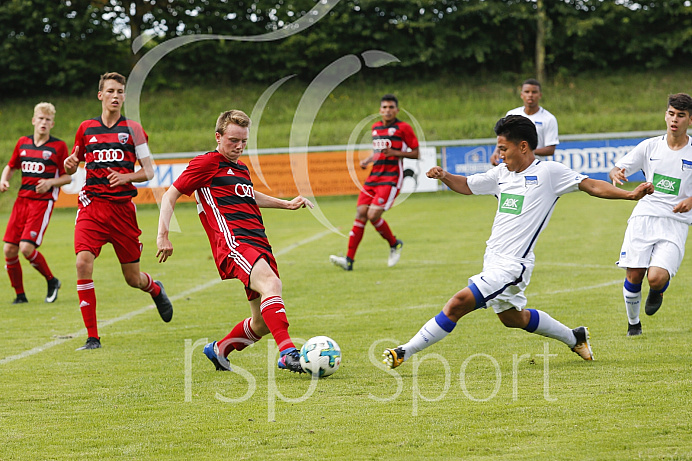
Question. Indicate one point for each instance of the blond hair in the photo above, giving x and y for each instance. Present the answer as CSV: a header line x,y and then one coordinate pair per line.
x,y
111,76
44,107
236,117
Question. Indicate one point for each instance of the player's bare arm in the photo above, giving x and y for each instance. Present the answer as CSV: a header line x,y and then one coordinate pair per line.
x,y
72,162
364,163
603,189
495,157
545,151
5,179
457,183
44,185
267,201
684,206
415,153
163,244
143,174
617,175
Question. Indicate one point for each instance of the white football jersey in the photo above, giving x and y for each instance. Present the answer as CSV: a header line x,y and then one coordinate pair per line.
x,y
526,201
670,171
546,125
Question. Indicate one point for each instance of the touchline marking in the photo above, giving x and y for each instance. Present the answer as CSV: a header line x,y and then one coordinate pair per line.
x,y
149,307
591,287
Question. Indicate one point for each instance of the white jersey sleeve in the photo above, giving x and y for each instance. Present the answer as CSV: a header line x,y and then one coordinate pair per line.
x,y
563,179
635,159
486,183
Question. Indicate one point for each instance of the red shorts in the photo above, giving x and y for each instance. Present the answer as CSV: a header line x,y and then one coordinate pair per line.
x,y
379,196
28,221
239,264
104,221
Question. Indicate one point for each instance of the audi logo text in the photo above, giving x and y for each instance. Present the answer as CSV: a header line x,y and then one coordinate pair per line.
x,y
108,155
381,144
244,190
33,167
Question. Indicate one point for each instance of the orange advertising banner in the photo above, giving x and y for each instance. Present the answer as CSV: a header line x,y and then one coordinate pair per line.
x,y
325,173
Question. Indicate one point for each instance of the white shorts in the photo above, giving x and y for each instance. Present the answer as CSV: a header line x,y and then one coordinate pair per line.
x,y
503,282
653,241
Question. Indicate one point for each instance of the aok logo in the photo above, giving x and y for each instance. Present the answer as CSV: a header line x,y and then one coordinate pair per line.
x,y
511,204
244,190
33,167
381,144
108,155
666,184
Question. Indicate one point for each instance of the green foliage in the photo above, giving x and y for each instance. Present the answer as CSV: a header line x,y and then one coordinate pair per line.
x,y
65,44
128,400
47,45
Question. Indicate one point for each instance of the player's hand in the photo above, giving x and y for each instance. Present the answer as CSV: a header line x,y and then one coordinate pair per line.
x,y
72,161
436,172
645,188
42,186
617,175
165,248
683,207
364,164
495,158
4,186
299,202
115,178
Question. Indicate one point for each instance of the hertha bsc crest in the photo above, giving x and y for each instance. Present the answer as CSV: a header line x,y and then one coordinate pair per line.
x,y
123,137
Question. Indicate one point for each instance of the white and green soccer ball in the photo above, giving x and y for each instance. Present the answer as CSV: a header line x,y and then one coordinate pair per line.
x,y
320,356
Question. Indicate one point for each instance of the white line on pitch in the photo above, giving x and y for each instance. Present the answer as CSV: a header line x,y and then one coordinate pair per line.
x,y
132,314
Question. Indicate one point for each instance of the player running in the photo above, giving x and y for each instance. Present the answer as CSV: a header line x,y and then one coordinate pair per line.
x,y
40,158
527,190
392,141
654,242
109,146
229,209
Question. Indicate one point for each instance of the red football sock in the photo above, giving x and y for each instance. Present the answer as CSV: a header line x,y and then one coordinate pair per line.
x,y
240,337
152,288
354,238
383,228
87,304
14,270
39,263
274,315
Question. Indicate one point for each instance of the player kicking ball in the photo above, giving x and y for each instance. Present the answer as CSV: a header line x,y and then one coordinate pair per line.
x,y
528,190
229,209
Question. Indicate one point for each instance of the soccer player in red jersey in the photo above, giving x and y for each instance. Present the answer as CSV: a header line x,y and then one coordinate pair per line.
x,y
229,209
40,157
109,146
392,141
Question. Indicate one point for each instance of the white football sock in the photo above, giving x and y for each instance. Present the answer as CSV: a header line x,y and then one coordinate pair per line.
x,y
548,326
633,303
431,333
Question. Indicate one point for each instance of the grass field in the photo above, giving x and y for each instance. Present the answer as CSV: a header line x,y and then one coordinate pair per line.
x,y
485,392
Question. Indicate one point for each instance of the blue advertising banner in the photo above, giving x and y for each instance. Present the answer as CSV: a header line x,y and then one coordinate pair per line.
x,y
594,158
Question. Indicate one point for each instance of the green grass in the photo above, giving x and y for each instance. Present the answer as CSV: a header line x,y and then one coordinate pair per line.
x,y
128,400
182,120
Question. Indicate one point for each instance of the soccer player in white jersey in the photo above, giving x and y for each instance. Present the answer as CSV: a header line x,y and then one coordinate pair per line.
x,y
527,190
546,123
654,242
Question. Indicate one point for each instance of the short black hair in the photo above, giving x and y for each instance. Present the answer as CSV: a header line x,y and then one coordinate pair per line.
x,y
390,97
680,101
532,81
517,128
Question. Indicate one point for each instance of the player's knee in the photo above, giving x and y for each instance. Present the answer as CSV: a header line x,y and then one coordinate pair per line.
x,y
11,251
658,280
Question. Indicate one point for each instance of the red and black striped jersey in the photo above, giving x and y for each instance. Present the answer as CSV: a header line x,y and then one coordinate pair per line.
x,y
101,148
38,162
387,170
225,202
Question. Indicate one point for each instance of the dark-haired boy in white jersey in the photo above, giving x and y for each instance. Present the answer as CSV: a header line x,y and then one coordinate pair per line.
x,y
527,190
654,242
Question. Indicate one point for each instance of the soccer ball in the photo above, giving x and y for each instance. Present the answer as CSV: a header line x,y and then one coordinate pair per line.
x,y
320,356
